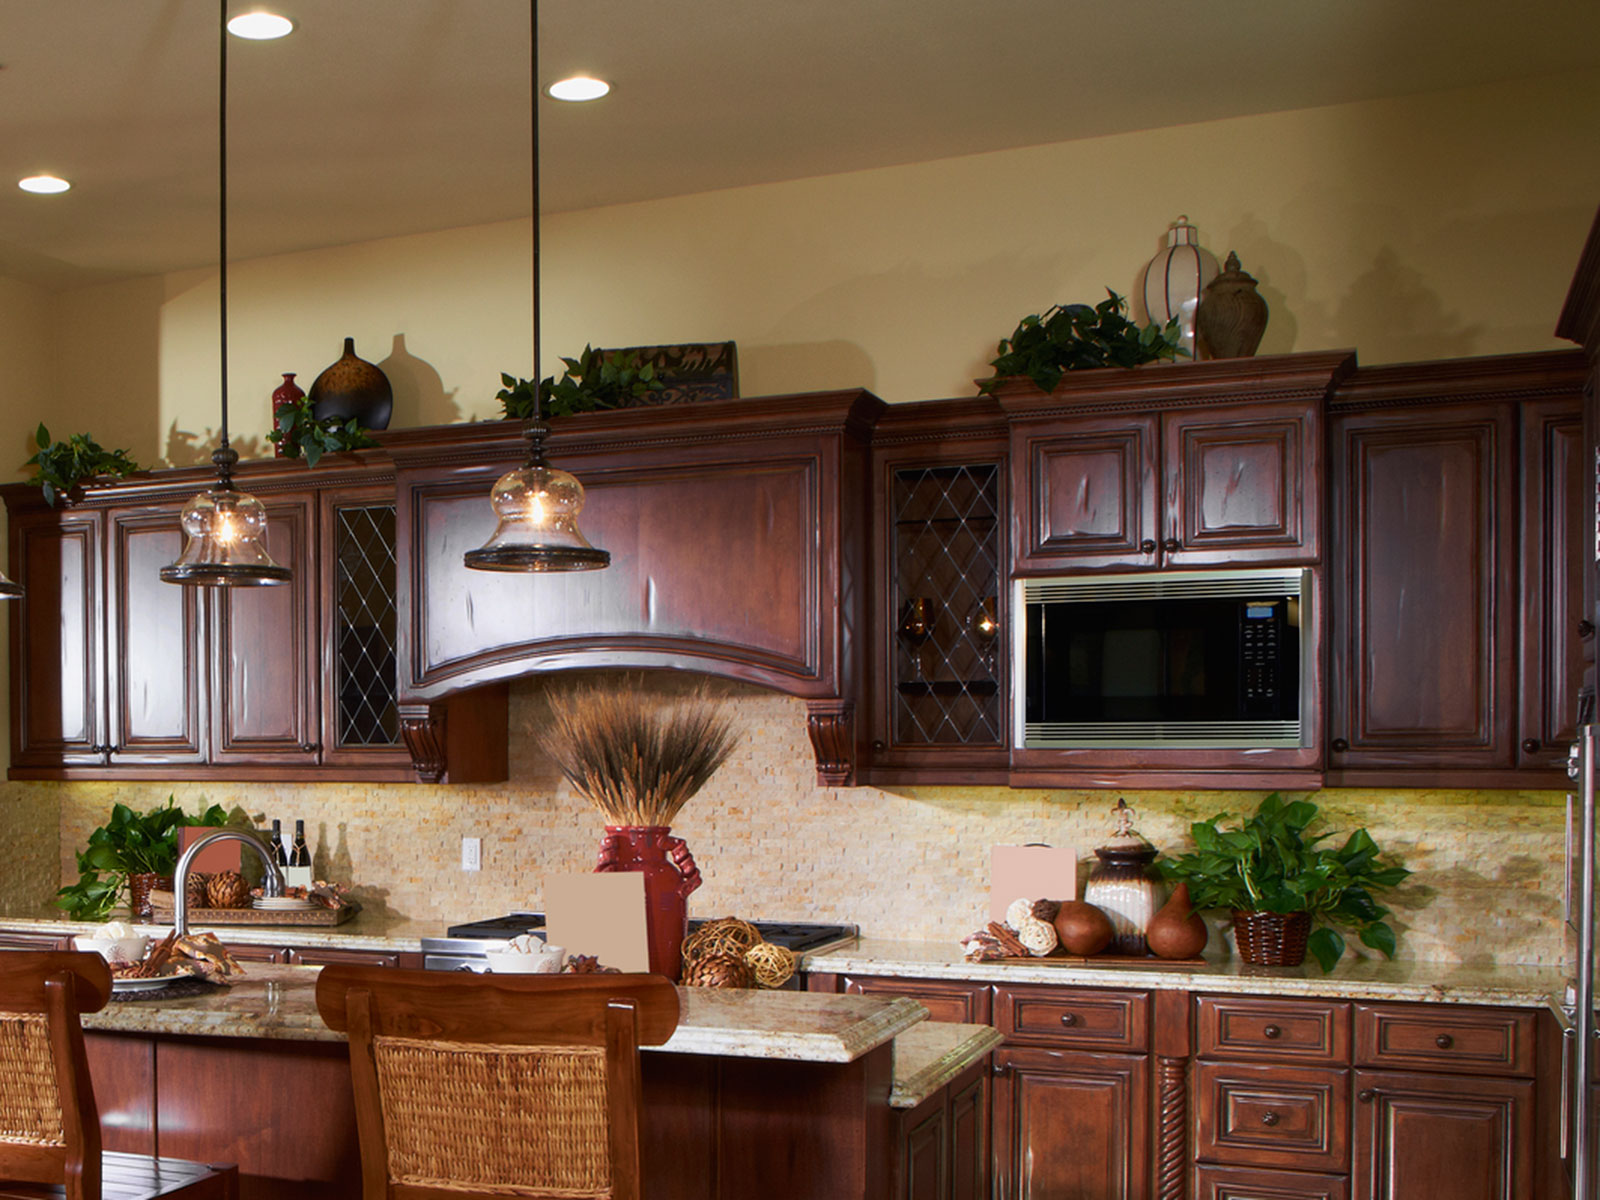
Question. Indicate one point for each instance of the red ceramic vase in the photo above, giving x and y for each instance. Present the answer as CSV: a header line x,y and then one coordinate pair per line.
x,y
669,876
284,397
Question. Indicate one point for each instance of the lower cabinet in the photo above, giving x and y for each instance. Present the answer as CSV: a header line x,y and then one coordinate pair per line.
x,y
944,1143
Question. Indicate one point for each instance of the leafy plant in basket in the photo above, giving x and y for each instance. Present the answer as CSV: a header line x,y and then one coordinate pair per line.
x,y
298,431
1268,864
130,843
1075,337
595,379
59,467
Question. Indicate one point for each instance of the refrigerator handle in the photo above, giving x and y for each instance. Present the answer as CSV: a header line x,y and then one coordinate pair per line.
x,y
1567,1036
1583,1024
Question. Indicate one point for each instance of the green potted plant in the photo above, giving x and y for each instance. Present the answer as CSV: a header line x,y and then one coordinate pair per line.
x,y
299,432
61,467
595,379
133,850
1279,883
1075,337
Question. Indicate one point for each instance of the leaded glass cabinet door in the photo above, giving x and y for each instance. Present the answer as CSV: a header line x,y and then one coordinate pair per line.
x,y
361,719
944,649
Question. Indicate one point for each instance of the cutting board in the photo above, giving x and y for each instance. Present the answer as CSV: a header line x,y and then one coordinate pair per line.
x,y
1035,872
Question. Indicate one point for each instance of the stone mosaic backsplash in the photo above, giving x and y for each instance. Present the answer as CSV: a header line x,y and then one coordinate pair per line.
x,y
913,863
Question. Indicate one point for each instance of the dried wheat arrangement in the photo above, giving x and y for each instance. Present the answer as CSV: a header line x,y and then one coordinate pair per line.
x,y
637,762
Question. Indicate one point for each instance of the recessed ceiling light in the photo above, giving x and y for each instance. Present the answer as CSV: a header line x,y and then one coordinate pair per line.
x,y
579,87
260,26
44,185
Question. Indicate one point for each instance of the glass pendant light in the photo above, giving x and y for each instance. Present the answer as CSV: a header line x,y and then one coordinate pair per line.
x,y
537,504
226,528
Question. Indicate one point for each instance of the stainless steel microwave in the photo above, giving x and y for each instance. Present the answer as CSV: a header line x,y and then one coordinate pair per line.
x,y
1170,658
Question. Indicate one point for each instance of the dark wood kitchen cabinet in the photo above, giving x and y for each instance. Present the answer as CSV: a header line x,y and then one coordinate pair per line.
x,y
1188,465
1454,660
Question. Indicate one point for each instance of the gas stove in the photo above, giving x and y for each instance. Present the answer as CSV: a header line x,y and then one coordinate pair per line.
x,y
462,949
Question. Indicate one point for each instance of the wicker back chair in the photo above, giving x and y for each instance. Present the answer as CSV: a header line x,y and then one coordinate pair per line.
x,y
496,1085
49,1126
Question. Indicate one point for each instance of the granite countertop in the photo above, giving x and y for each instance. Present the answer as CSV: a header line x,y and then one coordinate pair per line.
x,y
279,1002
1355,979
364,931
932,1053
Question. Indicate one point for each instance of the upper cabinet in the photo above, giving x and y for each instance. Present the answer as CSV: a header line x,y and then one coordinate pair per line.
x,y
1180,465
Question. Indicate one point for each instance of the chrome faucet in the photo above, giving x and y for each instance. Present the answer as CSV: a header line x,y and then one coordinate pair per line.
x,y
180,877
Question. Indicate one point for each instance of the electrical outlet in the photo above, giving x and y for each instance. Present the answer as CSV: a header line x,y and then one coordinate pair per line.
x,y
471,854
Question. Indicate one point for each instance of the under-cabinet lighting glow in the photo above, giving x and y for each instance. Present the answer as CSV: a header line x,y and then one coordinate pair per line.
x,y
43,185
260,26
578,87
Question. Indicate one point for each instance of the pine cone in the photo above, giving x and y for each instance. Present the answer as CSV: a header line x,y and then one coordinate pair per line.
x,y
718,971
227,889
194,889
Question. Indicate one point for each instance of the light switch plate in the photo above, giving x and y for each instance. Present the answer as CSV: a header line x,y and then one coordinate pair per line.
x,y
471,854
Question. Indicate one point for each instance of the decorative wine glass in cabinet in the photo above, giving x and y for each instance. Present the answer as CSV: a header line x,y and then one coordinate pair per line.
x,y
944,542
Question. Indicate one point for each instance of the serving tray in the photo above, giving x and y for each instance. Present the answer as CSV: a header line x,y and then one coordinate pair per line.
x,y
260,916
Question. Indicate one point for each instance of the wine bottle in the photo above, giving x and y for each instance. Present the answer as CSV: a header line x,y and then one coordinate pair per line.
x,y
299,852
278,856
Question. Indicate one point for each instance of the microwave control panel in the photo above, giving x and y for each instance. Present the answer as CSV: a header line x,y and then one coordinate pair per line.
x,y
1260,654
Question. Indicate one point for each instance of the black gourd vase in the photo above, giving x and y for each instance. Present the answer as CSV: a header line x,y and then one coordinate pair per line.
x,y
353,387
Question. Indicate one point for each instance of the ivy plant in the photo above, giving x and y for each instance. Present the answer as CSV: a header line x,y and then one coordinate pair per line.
x,y
130,843
299,432
595,379
59,467
1074,337
1268,864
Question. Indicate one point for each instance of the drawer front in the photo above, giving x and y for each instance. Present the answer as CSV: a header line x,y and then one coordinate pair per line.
x,y
1296,1117
249,952
318,956
1445,1037
1243,1183
1079,1018
1314,1033
945,1000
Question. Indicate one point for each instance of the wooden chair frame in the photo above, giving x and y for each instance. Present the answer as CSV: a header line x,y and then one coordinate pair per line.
x,y
617,1013
61,985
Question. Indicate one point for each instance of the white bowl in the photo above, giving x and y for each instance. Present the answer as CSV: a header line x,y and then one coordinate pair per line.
x,y
517,962
114,950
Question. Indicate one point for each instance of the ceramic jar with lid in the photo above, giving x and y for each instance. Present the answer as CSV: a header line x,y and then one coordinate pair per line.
x,y
1124,884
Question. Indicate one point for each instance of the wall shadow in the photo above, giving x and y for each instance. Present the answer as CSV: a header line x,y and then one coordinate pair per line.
x,y
420,397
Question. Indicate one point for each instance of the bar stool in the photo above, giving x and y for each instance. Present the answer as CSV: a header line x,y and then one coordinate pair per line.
x,y
488,1085
49,1126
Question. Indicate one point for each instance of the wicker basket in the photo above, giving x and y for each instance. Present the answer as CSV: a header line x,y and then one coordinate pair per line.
x,y
1268,939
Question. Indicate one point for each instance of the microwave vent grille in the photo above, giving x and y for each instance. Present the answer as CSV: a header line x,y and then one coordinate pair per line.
x,y
1067,735
1157,587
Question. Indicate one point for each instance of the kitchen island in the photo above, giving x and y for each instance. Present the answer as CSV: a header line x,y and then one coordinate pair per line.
x,y
807,1094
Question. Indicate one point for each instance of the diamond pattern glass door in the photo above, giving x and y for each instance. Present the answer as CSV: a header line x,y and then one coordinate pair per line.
x,y
366,673
948,652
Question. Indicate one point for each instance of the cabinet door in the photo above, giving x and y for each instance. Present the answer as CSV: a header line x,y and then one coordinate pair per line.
x,y
57,641
1423,594
1242,485
264,653
1071,1124
1468,1138
152,652
1557,639
1086,497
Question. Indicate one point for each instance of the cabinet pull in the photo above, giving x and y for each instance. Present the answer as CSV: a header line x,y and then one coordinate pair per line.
x,y
1366,1095
1272,1031
1530,745
1172,545
1585,628
1340,745
1069,1019
1001,1068
1269,1118
307,747
1444,1041
1148,546
877,743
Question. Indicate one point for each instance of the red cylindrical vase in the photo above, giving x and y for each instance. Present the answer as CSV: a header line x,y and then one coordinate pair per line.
x,y
669,876
284,397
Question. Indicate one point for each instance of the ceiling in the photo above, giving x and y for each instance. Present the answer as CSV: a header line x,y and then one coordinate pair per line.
x,y
385,117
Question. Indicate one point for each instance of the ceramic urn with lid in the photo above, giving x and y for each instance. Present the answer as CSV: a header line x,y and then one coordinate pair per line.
x,y
1124,884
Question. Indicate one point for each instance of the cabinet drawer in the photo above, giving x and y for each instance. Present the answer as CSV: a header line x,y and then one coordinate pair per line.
x,y
1272,1116
1073,1017
1245,1183
1314,1033
249,952
965,1003
321,957
1444,1037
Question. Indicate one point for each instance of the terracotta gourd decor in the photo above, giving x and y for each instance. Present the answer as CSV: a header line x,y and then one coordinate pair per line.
x,y
1177,931
1083,928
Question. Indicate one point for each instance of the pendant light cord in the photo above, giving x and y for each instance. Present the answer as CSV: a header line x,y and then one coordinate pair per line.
x,y
533,59
225,455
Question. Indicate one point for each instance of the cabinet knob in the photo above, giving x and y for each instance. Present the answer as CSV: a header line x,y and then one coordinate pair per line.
x,y
1530,745
1001,1068
1069,1019
1272,1031
1148,546
307,747
1366,1095
877,743
1269,1118
1340,745
1585,628
1444,1041
1171,545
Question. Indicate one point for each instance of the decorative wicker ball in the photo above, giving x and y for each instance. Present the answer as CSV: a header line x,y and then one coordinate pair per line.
x,y
227,889
1038,936
718,971
194,889
729,936
1018,911
773,965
